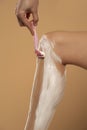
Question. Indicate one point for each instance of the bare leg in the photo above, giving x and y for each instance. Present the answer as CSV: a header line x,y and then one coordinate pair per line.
x,y
71,47
47,88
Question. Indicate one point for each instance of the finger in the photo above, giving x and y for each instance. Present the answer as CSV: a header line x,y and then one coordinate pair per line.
x,y
27,17
26,22
35,18
20,22
17,15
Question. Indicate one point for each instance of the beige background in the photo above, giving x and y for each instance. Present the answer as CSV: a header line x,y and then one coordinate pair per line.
x,y
17,65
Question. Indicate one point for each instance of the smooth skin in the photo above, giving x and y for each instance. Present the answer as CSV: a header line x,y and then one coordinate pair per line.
x,y
71,47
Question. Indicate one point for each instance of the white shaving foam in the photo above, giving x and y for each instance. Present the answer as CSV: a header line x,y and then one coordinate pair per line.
x,y
52,87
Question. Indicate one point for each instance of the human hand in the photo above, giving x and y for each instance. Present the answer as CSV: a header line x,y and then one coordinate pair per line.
x,y
24,9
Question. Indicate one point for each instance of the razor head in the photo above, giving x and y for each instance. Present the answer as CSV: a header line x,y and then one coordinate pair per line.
x,y
40,54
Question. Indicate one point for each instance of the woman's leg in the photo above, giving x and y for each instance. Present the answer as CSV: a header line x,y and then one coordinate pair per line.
x,y
71,47
48,85
47,89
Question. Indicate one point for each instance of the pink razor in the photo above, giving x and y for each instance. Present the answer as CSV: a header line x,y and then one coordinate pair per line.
x,y
39,53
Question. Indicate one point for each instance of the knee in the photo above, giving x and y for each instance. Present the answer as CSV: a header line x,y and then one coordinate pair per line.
x,y
58,40
47,45
49,40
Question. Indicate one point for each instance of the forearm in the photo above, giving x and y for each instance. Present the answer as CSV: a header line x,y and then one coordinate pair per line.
x,y
71,46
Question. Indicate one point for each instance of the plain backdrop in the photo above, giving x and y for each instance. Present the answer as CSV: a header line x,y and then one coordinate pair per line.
x,y
17,65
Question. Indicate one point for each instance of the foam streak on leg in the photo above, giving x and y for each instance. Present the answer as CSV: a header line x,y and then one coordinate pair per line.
x,y
52,87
